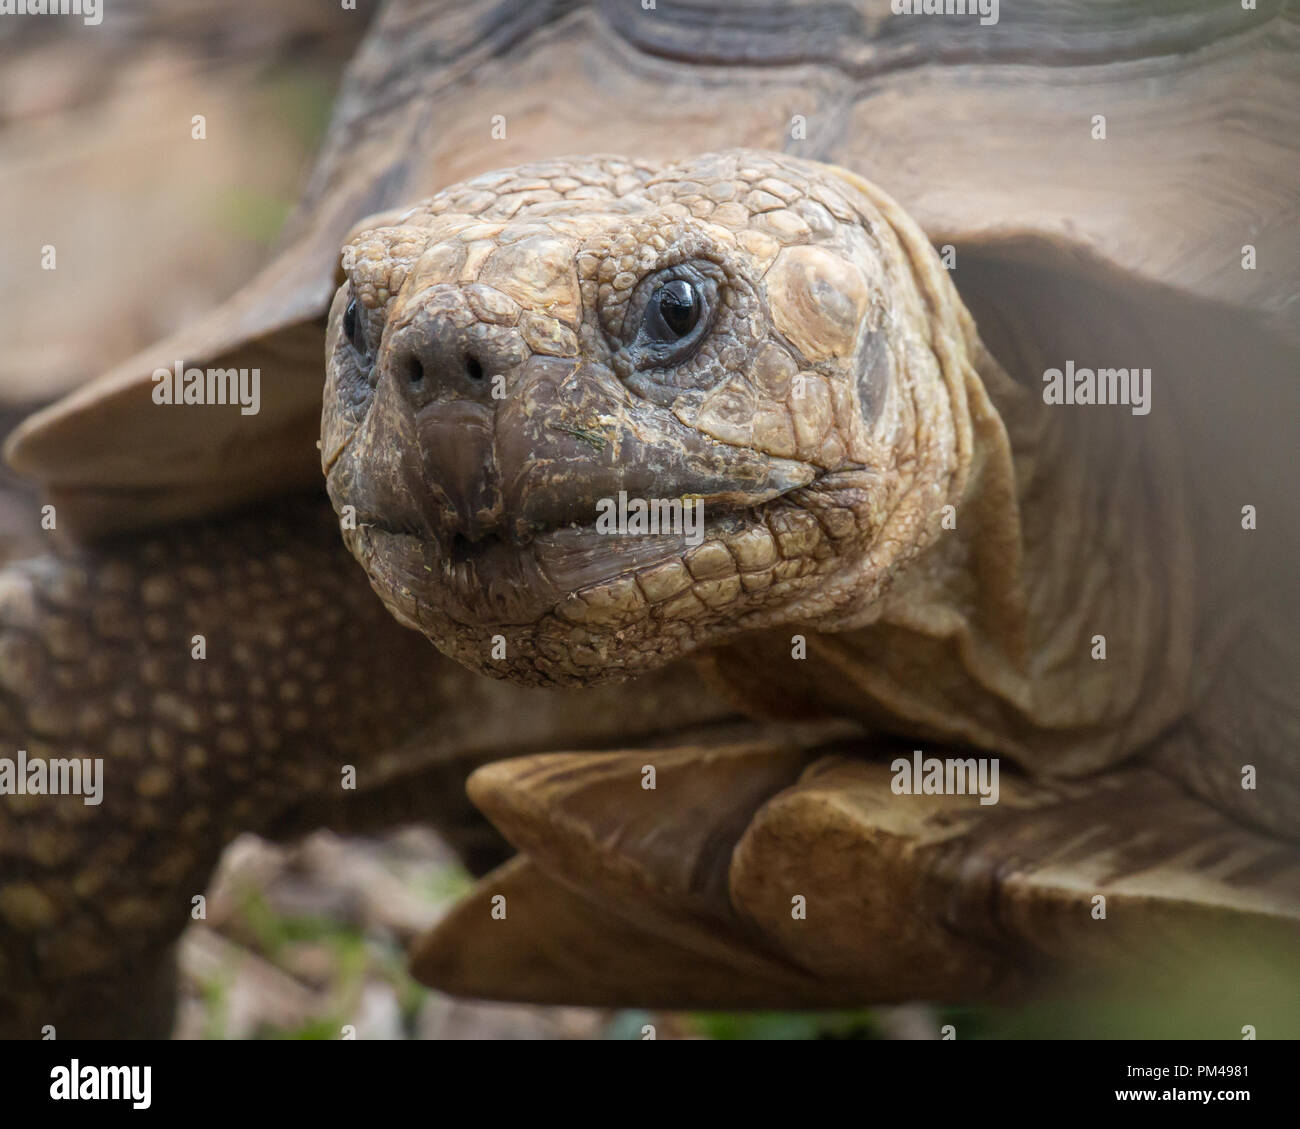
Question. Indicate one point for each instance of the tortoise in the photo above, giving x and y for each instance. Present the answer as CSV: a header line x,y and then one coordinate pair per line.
x,y
855,300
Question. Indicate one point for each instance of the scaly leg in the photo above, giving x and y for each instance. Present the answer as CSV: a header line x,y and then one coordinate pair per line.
x,y
299,672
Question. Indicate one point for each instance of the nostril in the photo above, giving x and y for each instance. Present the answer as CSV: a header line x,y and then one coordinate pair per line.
x,y
431,367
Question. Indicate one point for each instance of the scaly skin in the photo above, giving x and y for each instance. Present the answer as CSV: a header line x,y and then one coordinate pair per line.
x,y
95,661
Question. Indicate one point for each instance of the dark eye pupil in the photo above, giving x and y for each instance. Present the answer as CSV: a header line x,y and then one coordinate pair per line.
x,y
678,306
352,326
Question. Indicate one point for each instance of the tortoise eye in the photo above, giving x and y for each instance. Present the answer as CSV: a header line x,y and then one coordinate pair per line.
x,y
673,311
352,327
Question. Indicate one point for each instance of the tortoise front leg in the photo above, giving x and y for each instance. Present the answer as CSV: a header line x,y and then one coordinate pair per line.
x,y
218,678
204,679
764,875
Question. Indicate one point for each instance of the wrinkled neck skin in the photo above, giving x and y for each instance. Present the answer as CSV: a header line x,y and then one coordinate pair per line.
x,y
1049,618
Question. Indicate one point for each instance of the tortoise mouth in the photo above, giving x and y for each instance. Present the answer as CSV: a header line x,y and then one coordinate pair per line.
x,y
497,580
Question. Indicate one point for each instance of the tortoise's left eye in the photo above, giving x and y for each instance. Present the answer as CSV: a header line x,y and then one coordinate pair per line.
x,y
672,312
352,327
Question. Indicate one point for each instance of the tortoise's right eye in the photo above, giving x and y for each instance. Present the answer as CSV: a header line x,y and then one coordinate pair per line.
x,y
353,328
673,311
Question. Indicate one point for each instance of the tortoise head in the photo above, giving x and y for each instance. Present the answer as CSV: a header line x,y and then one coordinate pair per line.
x,y
586,416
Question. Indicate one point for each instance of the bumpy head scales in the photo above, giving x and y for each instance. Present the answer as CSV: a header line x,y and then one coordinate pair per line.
x,y
583,417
